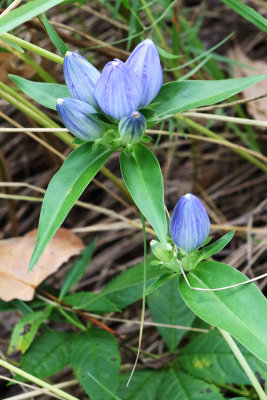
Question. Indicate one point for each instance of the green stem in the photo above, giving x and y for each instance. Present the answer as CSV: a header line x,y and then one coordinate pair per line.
x,y
143,300
32,47
71,320
17,100
152,20
242,361
209,133
234,390
38,381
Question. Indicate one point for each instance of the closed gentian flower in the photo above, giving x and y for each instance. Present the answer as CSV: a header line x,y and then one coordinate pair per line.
x,y
145,62
80,77
75,115
118,90
190,224
132,128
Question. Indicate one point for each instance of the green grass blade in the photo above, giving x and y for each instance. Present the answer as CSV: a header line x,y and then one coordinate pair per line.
x,y
56,39
25,12
248,13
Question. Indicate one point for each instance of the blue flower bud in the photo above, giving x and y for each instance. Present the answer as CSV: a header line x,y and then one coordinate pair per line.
x,y
74,115
118,90
190,224
80,77
132,128
145,62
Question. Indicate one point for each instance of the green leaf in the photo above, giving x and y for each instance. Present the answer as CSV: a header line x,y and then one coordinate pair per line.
x,y
248,13
142,176
177,97
52,33
145,385
95,303
160,282
44,93
26,329
209,357
177,385
167,307
215,247
165,54
96,352
24,13
14,45
48,355
127,288
241,311
64,190
77,270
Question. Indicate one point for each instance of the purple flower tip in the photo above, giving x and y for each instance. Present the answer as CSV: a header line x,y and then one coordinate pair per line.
x,y
190,224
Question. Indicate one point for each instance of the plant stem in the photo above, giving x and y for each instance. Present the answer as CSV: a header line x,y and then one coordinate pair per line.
x,y
71,320
209,133
226,118
234,390
152,20
38,381
32,47
242,361
143,301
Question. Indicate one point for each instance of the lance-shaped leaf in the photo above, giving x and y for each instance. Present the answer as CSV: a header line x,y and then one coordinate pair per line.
x,y
215,247
44,93
248,13
241,311
177,97
64,190
142,176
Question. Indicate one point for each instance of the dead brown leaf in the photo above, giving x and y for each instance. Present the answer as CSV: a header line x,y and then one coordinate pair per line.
x,y
257,108
15,254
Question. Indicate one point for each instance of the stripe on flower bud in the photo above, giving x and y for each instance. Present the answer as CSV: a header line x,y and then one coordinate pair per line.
x,y
145,62
74,115
190,224
80,77
132,128
118,90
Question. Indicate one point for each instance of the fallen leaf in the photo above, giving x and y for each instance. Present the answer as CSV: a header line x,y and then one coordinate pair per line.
x,y
15,254
257,108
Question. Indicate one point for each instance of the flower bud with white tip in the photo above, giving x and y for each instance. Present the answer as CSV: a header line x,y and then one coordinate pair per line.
x,y
75,115
132,128
80,77
190,224
145,62
118,90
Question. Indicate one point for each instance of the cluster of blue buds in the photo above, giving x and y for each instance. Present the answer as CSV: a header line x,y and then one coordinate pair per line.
x,y
119,91
190,224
